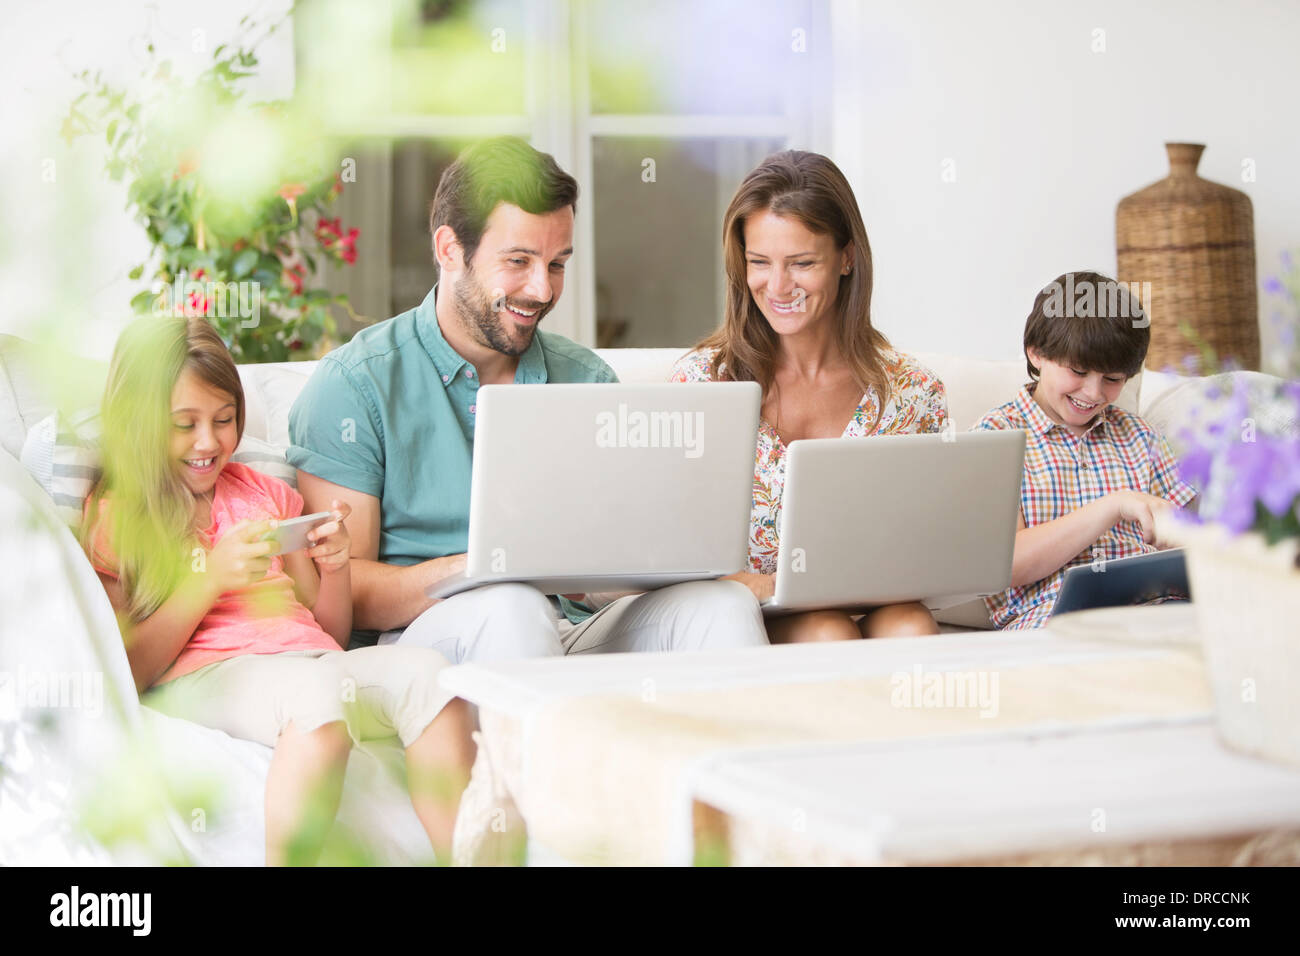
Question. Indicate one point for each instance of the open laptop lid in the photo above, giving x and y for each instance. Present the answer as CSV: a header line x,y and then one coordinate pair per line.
x,y
611,480
895,518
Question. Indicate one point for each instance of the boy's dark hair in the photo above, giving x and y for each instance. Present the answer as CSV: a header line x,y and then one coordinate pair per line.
x,y
1090,322
492,171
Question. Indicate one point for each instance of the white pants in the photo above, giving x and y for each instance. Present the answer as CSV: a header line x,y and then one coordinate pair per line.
x,y
512,621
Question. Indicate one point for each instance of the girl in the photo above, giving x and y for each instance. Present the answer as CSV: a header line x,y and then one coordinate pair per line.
x,y
798,322
220,629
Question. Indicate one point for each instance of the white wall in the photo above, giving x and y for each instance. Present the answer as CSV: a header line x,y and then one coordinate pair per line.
x,y
1046,137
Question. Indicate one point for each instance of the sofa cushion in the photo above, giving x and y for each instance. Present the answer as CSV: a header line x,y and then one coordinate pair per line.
x,y
1183,409
62,453
269,394
35,380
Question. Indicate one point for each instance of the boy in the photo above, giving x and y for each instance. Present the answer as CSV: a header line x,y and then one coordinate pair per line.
x,y
1095,475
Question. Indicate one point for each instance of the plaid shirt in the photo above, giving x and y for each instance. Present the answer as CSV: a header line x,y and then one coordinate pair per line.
x,y
1063,473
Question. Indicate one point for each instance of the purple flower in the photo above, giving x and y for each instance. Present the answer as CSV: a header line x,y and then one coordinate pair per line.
x,y
1194,468
1286,259
1191,364
1237,514
1273,285
1281,480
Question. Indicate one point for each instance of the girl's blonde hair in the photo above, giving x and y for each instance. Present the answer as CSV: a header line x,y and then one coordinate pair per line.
x,y
151,526
810,188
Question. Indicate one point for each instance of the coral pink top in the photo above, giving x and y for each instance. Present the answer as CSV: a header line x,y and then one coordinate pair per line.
x,y
263,618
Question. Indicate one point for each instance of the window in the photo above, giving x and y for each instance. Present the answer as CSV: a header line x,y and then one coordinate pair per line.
x,y
658,109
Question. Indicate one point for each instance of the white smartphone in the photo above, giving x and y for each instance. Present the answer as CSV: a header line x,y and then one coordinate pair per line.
x,y
291,535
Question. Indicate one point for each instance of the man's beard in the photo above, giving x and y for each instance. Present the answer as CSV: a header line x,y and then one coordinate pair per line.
x,y
485,323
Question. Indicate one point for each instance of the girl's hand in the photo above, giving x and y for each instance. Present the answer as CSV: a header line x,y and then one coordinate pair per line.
x,y
241,557
331,543
762,586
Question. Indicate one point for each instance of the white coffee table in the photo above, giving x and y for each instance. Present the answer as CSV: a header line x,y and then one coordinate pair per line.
x,y
605,751
1170,794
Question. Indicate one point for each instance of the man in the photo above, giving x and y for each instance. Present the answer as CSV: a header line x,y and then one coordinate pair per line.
x,y
386,424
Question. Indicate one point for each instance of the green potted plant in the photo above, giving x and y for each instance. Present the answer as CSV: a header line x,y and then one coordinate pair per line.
x,y
234,196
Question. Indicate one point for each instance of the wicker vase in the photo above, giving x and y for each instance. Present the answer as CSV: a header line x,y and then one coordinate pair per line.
x,y
1247,600
1194,242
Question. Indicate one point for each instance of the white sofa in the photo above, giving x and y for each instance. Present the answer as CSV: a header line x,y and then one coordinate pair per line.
x,y
57,622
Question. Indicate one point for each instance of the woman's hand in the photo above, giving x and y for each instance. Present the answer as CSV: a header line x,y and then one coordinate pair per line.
x,y
762,586
241,557
331,543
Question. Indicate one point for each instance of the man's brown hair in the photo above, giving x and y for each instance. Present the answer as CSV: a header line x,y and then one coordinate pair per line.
x,y
492,171
1090,322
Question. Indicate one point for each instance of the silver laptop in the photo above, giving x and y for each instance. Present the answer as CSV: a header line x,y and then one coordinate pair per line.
x,y
893,518
582,488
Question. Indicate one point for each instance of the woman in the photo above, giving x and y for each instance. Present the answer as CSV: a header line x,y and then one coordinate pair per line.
x,y
798,322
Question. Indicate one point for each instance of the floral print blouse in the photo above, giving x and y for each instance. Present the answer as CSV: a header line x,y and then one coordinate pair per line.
x,y
917,404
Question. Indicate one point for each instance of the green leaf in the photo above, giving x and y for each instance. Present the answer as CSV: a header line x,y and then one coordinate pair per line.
x,y
176,234
112,132
143,301
136,272
244,263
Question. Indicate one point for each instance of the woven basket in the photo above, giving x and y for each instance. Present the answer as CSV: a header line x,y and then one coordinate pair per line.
x,y
1194,241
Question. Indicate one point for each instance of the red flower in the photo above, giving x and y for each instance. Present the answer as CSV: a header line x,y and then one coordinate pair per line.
x,y
348,246
337,188
291,191
197,303
329,233
294,276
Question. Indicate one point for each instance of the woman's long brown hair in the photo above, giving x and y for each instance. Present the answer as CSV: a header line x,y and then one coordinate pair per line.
x,y
810,188
151,530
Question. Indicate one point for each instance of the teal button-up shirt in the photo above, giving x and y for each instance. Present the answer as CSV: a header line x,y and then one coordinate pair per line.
x,y
391,414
